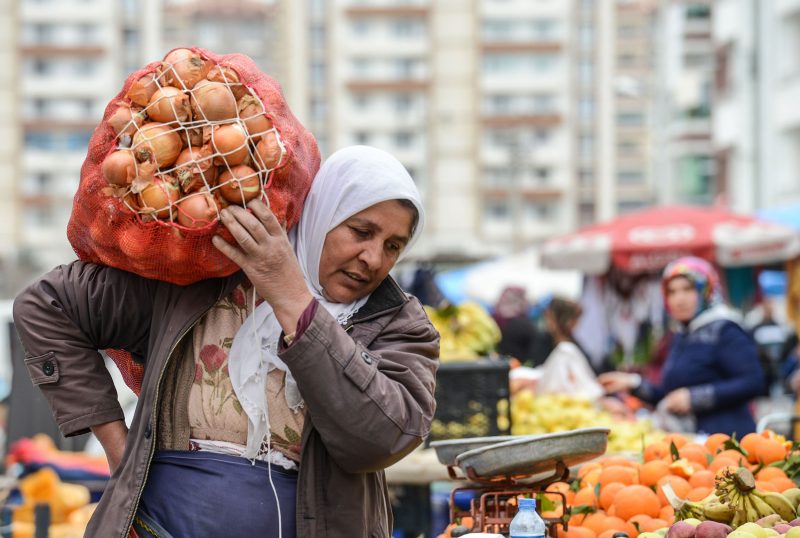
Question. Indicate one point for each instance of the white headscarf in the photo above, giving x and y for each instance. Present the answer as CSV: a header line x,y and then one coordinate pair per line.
x,y
350,181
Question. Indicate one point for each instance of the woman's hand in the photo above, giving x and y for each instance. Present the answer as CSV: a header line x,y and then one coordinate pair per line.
x,y
264,253
679,401
618,381
112,437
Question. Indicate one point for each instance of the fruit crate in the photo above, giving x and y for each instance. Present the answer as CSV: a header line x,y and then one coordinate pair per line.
x,y
471,400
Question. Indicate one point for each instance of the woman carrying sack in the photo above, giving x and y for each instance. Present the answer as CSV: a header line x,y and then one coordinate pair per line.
x,y
273,399
712,370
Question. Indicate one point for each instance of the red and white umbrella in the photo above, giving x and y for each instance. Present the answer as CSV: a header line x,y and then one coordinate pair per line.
x,y
648,240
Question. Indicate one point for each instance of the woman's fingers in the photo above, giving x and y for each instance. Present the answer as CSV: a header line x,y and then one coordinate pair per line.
x,y
245,228
231,252
266,216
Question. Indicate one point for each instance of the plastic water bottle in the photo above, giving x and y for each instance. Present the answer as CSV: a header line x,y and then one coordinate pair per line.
x,y
527,523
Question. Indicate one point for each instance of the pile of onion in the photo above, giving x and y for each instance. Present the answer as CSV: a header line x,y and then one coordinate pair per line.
x,y
191,139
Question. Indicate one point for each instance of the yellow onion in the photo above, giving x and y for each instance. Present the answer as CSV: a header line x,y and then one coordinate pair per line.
x,y
157,198
251,112
240,184
119,168
268,152
213,101
169,104
184,68
143,89
195,136
157,142
230,141
197,210
226,75
193,166
126,119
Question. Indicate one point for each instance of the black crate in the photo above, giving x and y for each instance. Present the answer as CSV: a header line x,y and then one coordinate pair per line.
x,y
471,400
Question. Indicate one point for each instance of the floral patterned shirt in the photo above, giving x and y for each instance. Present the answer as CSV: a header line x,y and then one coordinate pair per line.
x,y
215,413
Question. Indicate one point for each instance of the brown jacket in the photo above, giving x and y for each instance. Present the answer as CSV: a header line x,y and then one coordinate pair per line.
x,y
368,387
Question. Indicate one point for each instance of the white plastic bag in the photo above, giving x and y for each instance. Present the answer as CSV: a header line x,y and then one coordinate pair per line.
x,y
567,371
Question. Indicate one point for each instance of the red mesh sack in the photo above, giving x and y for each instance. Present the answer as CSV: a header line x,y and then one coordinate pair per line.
x,y
115,220
113,224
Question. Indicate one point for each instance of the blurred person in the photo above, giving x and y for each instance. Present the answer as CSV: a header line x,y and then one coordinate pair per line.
x,y
712,371
273,399
567,369
520,337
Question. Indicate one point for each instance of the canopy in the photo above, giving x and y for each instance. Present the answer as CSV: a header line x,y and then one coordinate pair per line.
x,y
648,240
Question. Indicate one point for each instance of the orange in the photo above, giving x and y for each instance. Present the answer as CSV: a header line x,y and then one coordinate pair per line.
x,y
585,497
652,471
616,524
612,511
721,462
593,521
607,534
735,455
682,468
770,473
714,442
576,531
702,478
677,438
553,514
769,451
750,444
608,492
667,513
617,460
563,488
679,485
699,493
586,467
763,485
695,452
591,478
654,524
618,473
782,484
639,519
656,451
635,500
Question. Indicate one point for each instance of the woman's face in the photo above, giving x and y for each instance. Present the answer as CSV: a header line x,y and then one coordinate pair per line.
x,y
359,253
682,299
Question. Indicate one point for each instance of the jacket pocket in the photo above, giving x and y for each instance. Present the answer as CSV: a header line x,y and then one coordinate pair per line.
x,y
43,369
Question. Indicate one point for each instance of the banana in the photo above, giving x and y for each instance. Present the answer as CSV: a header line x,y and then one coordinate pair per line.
x,y
793,495
760,508
719,512
738,518
778,502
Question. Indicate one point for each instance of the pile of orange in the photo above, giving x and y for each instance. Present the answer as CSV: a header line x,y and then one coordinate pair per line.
x,y
627,496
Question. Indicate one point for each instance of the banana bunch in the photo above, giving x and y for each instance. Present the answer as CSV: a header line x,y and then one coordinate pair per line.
x,y
467,331
737,490
712,508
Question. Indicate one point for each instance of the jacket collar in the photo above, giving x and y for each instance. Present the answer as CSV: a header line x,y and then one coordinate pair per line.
x,y
386,297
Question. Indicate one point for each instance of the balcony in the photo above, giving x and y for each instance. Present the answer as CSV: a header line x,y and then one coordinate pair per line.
x,y
389,9
387,85
62,50
521,46
522,120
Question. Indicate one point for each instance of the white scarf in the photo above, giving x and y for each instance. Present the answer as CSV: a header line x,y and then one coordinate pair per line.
x,y
350,181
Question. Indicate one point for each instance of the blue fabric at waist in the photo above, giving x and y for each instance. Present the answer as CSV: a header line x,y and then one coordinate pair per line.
x,y
197,494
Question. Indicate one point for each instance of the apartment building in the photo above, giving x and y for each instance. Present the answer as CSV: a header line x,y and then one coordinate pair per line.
x,y
756,121
685,66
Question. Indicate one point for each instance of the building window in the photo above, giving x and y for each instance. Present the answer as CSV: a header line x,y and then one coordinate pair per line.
x,y
539,211
317,36
586,177
544,104
361,27
403,139
404,67
630,118
361,101
541,136
543,29
362,138
586,147
317,72
402,102
541,174
628,148
408,28
630,177
497,210
497,177
319,109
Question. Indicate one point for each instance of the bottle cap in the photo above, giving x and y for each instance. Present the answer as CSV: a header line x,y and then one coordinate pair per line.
x,y
529,504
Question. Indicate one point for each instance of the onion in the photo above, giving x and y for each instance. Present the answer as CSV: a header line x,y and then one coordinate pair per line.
x,y
231,142
169,104
213,101
222,203
156,198
126,119
195,136
197,210
157,142
268,151
143,89
239,184
194,165
226,75
119,168
251,111
184,68
131,201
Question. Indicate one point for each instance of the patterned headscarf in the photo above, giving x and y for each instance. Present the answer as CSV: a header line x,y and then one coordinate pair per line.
x,y
700,273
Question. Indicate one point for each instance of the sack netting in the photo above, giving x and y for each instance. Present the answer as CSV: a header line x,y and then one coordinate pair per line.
x,y
150,191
